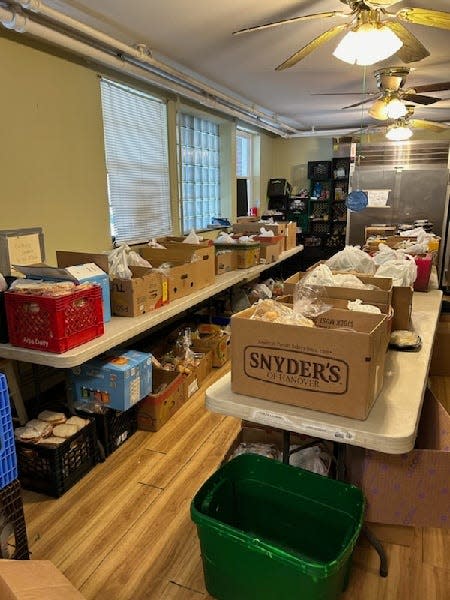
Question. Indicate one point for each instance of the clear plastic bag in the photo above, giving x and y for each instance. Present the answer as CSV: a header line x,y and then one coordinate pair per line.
x,y
308,301
322,276
192,238
118,263
267,450
225,238
275,312
135,260
352,258
314,458
358,306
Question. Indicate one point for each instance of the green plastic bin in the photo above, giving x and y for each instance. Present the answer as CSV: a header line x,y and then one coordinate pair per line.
x,y
269,531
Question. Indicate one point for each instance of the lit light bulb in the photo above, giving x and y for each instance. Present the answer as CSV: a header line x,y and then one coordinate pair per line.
x,y
378,110
368,44
399,134
396,109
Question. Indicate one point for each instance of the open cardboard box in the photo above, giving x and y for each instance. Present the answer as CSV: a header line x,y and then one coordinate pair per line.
x,y
336,367
269,253
157,408
34,580
225,261
204,254
440,362
213,338
290,240
408,489
402,304
255,227
145,291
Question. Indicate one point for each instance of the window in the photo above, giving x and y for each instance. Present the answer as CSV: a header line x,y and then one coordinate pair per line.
x,y
135,130
244,159
199,157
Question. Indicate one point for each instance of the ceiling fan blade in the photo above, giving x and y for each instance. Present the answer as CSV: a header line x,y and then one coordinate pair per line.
x,y
347,94
362,102
383,3
412,50
420,99
432,125
424,16
334,13
433,87
311,46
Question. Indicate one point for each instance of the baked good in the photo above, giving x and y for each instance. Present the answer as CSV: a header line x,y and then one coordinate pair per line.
x,y
403,337
65,431
78,422
55,418
51,441
44,429
27,434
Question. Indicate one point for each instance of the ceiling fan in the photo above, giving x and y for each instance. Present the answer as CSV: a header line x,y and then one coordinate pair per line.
x,y
373,33
390,101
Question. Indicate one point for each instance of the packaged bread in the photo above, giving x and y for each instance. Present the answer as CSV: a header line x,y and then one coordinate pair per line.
x,y
78,422
51,441
44,428
27,434
54,418
65,431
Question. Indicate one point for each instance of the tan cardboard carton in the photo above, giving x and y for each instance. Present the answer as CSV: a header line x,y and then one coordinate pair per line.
x,y
269,253
413,488
291,236
213,338
380,231
203,250
225,261
247,256
440,362
336,367
145,291
382,295
402,305
66,258
255,227
157,408
34,580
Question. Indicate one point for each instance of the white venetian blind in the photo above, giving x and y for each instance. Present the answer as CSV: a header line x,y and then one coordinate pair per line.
x,y
135,130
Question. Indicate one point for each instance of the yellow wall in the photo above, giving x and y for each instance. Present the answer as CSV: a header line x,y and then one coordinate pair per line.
x,y
298,151
51,151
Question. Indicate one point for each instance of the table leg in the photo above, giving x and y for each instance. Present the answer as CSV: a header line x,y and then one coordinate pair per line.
x,y
286,446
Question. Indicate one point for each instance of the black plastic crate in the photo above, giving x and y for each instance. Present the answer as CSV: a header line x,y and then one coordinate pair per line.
x,y
114,427
54,470
13,531
319,169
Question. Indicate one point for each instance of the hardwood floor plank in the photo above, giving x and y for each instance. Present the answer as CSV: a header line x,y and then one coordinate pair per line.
x,y
436,547
176,592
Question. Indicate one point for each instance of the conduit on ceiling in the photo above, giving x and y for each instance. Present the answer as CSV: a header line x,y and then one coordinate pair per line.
x,y
34,18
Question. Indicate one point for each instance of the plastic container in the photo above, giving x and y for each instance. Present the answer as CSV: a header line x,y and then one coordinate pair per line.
x,y
424,263
54,324
8,457
269,530
13,531
54,470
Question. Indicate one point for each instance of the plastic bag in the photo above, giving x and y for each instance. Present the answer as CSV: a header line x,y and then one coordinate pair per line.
x,y
308,302
274,312
402,272
259,291
314,458
266,233
358,306
118,263
3,284
322,276
135,260
192,238
384,254
154,244
267,450
225,238
352,258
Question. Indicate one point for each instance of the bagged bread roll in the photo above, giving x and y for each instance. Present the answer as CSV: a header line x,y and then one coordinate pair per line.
x,y
78,422
65,431
27,434
44,429
55,418
51,441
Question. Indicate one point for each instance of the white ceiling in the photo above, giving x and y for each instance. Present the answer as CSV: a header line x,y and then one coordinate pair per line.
x,y
197,35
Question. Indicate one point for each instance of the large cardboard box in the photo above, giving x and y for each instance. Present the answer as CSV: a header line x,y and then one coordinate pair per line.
x,y
157,408
34,580
382,295
247,255
255,227
213,338
266,240
290,240
440,360
402,305
381,231
412,488
225,261
145,291
336,367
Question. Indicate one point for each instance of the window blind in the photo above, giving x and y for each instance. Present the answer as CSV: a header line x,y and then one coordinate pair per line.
x,y
135,131
243,154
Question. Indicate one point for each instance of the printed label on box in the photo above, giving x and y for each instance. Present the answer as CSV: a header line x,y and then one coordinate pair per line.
x,y
135,390
296,369
192,388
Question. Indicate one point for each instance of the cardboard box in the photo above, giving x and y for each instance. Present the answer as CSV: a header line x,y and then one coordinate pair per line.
x,y
255,227
157,408
337,303
440,361
225,261
402,304
383,295
34,580
179,252
325,368
81,273
385,231
205,367
247,219
413,488
265,240
145,291
118,381
21,247
290,240
269,253
247,256
214,339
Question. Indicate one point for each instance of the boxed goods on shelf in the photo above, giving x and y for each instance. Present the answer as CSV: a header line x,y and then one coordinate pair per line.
x,y
269,530
114,427
182,277
145,291
225,261
54,469
8,458
412,488
13,531
118,380
291,236
255,228
269,253
246,255
167,397
55,324
267,240
192,381
34,580
336,367
212,338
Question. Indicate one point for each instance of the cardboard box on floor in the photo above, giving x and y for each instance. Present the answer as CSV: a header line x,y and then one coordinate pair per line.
x,y
145,291
440,361
225,261
382,295
213,338
413,488
157,408
34,580
325,368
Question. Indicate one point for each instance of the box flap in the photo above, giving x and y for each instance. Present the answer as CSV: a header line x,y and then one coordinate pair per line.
x,y
45,272
65,258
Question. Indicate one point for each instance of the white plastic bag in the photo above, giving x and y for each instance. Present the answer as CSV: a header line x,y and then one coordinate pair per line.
x,y
266,233
314,459
384,254
358,306
402,272
154,244
135,260
224,238
3,284
352,258
192,238
118,263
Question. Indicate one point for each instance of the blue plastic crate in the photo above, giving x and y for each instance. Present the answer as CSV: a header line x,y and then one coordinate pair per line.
x,y
8,457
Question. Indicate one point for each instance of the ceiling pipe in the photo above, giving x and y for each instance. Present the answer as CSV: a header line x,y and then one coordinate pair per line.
x,y
140,57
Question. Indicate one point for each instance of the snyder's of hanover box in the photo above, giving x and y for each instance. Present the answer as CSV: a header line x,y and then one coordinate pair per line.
x,y
336,367
145,291
413,488
34,580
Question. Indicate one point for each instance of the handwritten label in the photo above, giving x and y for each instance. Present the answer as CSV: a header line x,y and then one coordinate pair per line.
x,y
24,250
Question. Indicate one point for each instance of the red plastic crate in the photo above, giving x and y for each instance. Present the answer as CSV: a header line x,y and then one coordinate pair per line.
x,y
424,264
54,324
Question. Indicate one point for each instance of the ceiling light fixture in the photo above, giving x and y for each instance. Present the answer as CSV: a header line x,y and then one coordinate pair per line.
x,y
399,133
395,109
368,44
378,110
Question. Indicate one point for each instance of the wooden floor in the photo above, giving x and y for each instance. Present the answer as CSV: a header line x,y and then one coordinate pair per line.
x,y
124,531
